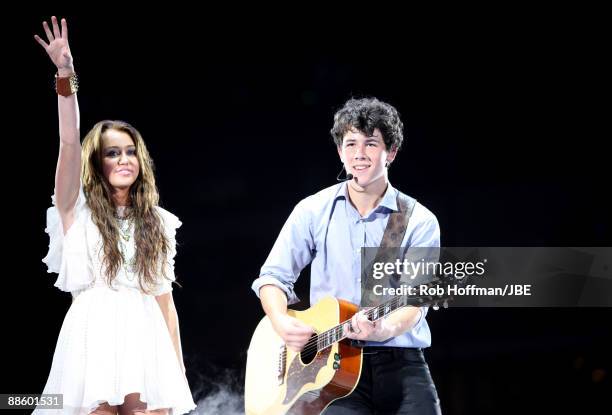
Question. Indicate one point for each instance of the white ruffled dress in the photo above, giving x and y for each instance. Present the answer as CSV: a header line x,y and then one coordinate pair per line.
x,y
114,341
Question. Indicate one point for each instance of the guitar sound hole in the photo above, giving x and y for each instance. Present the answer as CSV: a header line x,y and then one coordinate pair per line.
x,y
308,354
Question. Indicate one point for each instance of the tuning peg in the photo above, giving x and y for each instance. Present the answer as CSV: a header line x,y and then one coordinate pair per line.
x,y
436,307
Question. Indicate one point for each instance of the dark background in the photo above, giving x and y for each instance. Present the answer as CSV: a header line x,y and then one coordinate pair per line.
x,y
505,142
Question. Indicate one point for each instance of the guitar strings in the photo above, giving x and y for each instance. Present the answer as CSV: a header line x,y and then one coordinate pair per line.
x,y
312,343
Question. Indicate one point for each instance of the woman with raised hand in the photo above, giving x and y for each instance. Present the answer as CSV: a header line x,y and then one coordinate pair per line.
x,y
112,247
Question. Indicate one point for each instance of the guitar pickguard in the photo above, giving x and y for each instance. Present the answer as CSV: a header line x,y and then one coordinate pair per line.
x,y
299,375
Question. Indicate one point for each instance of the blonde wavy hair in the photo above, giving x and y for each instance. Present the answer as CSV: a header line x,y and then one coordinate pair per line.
x,y
152,245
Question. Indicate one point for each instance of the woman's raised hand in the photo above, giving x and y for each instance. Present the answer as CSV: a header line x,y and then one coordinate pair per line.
x,y
57,48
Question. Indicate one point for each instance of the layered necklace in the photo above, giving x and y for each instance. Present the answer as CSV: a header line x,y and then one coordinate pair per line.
x,y
125,225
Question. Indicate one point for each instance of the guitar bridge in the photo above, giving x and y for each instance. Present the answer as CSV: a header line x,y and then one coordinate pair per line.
x,y
282,365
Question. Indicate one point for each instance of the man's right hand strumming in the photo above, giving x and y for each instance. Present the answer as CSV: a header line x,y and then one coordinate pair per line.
x,y
290,329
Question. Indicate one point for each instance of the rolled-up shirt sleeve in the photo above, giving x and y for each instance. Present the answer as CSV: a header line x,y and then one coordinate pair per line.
x,y
291,253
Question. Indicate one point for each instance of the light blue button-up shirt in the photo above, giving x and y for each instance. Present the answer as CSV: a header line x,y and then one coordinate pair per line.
x,y
327,232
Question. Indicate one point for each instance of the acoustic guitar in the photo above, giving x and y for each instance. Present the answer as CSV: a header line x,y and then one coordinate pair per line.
x,y
279,381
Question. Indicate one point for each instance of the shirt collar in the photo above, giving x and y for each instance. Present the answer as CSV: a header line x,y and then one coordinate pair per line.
x,y
389,199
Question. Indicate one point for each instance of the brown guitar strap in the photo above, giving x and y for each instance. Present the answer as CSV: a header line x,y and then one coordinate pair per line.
x,y
398,222
390,247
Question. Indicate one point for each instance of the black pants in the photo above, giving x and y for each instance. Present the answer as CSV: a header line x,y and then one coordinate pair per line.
x,y
393,381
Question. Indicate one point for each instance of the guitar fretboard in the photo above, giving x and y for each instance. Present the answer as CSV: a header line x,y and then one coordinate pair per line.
x,y
335,334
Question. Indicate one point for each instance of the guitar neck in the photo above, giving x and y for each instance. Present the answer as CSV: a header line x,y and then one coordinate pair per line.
x,y
336,334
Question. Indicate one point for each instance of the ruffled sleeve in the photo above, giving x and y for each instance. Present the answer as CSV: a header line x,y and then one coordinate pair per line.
x,y
67,254
171,224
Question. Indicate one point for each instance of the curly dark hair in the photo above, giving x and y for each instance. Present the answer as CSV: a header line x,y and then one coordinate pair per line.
x,y
365,115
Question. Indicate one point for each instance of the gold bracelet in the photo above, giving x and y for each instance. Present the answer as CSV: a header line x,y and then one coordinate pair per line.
x,y
66,86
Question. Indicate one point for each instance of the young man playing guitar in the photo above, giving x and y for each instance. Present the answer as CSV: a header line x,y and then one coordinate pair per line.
x,y
327,230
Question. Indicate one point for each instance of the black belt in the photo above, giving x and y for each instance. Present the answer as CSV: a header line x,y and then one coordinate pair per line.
x,y
392,350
